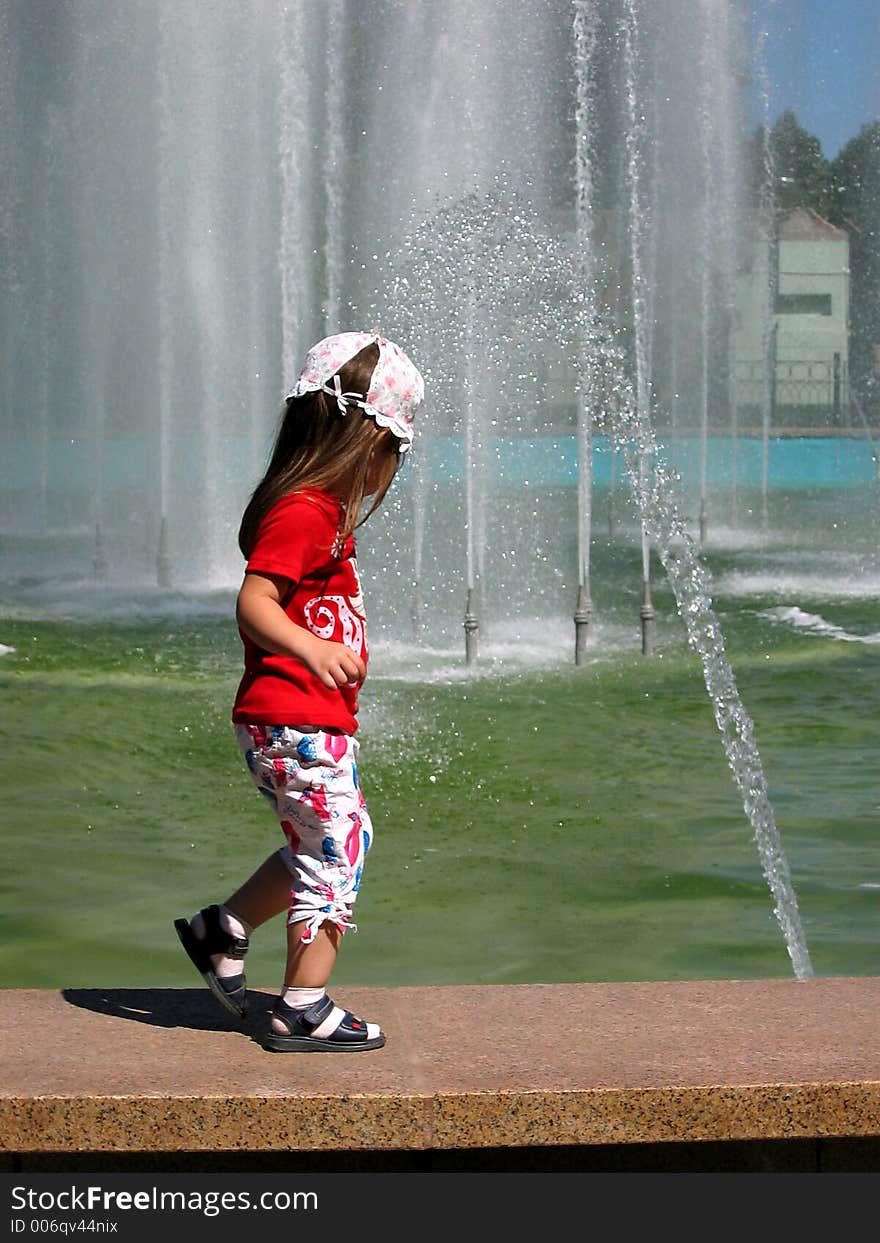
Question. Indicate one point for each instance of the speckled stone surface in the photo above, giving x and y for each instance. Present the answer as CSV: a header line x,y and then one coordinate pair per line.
x,y
464,1067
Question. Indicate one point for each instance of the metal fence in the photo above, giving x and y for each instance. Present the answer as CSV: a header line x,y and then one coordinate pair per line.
x,y
812,393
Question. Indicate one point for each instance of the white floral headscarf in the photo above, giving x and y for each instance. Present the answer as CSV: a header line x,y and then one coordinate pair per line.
x,y
396,388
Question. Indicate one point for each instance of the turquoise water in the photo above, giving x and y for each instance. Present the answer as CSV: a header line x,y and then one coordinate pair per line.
x,y
551,461
546,461
535,822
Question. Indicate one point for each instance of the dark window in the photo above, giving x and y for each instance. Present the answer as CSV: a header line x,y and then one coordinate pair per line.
x,y
803,304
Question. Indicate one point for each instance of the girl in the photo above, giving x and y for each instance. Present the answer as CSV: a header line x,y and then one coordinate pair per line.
x,y
347,423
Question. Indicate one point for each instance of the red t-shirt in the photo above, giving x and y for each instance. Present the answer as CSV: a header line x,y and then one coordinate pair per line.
x,y
298,539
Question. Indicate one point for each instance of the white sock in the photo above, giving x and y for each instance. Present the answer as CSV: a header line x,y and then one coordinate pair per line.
x,y
236,927
301,998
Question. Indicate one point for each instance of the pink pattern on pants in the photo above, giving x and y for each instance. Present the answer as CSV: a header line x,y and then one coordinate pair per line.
x,y
310,778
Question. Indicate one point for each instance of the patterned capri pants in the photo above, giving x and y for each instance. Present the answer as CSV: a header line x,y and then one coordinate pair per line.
x,y
310,778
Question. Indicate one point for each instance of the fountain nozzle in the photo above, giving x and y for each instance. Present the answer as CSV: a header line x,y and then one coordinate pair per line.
x,y
471,629
582,615
646,612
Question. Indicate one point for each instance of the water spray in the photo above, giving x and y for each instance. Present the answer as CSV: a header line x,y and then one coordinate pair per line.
x,y
419,504
585,40
417,614
768,210
163,558
99,561
636,137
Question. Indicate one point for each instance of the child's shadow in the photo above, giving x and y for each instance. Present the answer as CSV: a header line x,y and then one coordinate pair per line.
x,y
172,1007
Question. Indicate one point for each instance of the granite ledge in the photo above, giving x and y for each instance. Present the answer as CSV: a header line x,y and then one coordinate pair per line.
x,y
162,1070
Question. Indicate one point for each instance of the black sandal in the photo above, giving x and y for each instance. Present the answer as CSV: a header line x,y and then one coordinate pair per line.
x,y
350,1035
230,990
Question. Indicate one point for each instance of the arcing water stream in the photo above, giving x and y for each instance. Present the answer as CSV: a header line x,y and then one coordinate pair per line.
x,y
628,413
654,492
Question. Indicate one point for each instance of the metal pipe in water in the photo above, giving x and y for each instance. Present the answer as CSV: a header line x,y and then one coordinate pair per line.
x,y
646,612
471,629
582,615
584,607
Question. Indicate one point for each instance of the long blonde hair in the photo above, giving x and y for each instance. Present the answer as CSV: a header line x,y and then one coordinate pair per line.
x,y
318,446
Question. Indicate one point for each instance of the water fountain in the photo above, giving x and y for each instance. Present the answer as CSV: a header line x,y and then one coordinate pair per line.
x,y
628,148
200,223
529,292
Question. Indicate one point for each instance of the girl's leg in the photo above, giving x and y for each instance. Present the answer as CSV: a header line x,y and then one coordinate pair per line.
x,y
309,966
264,894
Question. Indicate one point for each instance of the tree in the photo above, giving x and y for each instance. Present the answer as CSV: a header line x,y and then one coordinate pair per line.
x,y
855,206
801,176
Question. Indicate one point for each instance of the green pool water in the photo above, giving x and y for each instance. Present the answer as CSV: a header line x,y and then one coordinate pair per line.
x,y
532,823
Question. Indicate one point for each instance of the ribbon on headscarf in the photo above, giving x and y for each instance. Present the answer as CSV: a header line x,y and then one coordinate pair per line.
x,y
342,399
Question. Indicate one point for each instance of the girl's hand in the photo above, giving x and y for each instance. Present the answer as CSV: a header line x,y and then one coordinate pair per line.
x,y
333,663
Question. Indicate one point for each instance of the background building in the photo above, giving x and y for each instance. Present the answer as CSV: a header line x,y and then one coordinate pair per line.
x,y
791,327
